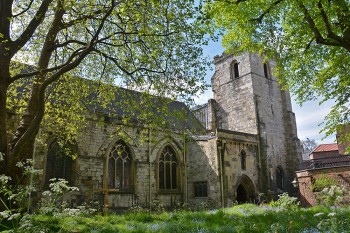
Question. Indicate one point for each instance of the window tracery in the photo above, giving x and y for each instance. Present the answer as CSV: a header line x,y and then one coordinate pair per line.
x,y
120,167
168,170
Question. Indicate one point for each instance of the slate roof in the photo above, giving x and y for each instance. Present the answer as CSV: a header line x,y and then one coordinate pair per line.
x,y
114,110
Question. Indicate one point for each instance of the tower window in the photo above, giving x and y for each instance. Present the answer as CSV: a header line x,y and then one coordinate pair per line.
x,y
266,70
243,160
234,69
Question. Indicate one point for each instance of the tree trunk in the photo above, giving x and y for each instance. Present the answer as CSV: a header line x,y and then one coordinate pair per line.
x,y
3,123
25,151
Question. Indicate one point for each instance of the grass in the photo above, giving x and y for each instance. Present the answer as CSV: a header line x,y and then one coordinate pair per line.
x,y
241,218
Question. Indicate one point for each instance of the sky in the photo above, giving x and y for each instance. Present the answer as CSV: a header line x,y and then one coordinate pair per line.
x,y
309,116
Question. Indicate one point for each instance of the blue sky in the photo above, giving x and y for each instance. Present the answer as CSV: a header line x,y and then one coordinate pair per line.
x,y
309,116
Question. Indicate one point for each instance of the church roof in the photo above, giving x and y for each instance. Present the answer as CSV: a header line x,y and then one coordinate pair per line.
x,y
177,115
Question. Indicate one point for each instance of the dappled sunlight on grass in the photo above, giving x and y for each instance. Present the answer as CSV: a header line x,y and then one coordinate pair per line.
x,y
240,218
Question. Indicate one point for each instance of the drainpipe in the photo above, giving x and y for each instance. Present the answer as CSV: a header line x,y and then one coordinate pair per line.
x,y
105,191
220,149
149,169
185,168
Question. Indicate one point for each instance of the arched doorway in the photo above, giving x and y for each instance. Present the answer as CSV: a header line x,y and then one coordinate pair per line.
x,y
245,190
279,178
241,194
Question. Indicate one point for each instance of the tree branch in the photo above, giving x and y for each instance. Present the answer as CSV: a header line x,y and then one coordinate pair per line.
x,y
25,10
82,18
325,19
231,2
30,131
32,26
343,15
5,17
267,11
318,36
48,70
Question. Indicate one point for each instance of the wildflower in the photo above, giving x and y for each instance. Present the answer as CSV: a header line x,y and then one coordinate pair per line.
x,y
318,214
332,214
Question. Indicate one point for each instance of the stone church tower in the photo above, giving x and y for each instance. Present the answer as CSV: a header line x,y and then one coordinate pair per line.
x,y
249,99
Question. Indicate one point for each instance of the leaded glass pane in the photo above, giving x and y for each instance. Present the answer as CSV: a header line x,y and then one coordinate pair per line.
x,y
119,167
167,168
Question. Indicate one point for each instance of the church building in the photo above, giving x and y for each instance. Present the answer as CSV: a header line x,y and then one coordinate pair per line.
x,y
245,144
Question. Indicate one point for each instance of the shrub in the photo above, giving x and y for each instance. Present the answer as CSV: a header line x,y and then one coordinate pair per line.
x,y
323,182
331,196
14,198
285,202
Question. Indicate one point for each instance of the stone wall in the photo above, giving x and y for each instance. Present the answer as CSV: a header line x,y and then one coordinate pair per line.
x,y
203,166
94,146
249,114
235,109
254,103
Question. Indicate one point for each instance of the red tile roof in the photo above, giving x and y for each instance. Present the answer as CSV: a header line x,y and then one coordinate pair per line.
x,y
326,147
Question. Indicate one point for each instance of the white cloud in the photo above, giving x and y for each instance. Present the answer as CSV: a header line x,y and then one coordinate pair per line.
x,y
203,99
309,118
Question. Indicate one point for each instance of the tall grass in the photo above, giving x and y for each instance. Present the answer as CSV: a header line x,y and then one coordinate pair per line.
x,y
241,218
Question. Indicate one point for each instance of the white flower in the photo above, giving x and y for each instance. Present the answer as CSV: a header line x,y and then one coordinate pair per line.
x,y
14,216
331,214
318,214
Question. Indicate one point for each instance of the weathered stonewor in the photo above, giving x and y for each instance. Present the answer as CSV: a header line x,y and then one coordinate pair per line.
x,y
248,146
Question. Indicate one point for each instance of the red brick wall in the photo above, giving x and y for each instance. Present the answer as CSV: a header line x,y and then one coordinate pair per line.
x,y
323,154
305,178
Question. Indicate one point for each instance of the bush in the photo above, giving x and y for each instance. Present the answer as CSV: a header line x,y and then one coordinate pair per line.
x,y
331,196
323,182
14,198
285,202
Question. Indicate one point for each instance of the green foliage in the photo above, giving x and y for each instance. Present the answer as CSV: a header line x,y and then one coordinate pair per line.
x,y
240,218
309,39
285,202
149,46
157,206
322,182
14,198
331,221
53,200
331,196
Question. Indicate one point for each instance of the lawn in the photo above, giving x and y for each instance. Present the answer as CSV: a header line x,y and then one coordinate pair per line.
x,y
240,218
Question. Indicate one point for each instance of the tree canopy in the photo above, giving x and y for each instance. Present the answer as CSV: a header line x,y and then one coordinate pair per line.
x,y
151,46
309,39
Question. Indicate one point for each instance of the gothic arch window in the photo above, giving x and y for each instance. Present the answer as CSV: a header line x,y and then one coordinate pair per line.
x,y
234,69
119,167
168,170
266,70
243,158
59,162
280,178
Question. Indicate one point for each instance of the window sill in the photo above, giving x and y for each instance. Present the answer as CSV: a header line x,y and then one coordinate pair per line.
x,y
115,191
169,192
